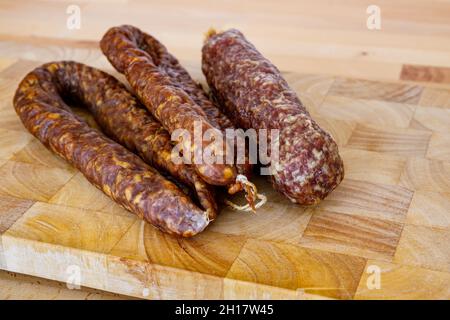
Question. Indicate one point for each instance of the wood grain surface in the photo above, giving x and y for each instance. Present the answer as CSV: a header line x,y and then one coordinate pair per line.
x,y
383,94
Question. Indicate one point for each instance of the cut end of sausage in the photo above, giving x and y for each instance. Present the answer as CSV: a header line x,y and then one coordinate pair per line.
x,y
177,216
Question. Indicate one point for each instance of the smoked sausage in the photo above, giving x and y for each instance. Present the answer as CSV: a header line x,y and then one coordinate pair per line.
x,y
137,56
40,102
253,94
123,118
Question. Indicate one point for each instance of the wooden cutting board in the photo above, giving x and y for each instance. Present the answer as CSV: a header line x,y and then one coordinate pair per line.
x,y
388,221
383,233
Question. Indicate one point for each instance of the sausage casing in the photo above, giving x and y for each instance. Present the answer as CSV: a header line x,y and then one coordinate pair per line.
x,y
126,49
112,168
122,117
254,94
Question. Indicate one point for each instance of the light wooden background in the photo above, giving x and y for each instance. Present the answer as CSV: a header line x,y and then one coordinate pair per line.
x,y
384,95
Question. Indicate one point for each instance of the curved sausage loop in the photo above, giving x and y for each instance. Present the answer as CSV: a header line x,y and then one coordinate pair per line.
x,y
119,173
124,119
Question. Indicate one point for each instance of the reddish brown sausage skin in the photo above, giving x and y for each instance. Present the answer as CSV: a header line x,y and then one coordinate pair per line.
x,y
126,121
113,169
254,95
170,66
145,64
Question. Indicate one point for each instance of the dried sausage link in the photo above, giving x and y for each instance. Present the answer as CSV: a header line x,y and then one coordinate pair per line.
x,y
255,95
112,168
170,65
163,94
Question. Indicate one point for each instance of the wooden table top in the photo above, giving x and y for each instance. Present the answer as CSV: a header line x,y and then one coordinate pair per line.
x,y
384,94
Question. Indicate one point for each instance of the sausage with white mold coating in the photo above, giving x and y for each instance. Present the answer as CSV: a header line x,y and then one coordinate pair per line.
x,y
253,94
